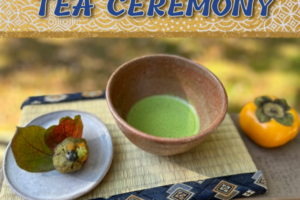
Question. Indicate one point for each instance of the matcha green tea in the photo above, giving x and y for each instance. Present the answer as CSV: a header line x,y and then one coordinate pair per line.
x,y
164,116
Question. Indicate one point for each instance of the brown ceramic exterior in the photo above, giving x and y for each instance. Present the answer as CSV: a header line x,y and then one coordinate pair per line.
x,y
166,74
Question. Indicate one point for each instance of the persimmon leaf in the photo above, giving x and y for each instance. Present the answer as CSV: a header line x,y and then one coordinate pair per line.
x,y
287,120
67,127
30,150
262,118
259,101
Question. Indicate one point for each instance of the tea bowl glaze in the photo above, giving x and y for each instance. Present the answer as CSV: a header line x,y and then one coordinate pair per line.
x,y
172,75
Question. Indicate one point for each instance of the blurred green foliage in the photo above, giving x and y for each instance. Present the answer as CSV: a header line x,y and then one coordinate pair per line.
x,y
247,67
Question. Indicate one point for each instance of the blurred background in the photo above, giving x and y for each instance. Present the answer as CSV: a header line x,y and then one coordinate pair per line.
x,y
247,67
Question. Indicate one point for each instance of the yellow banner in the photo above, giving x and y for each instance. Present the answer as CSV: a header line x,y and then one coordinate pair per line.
x,y
25,18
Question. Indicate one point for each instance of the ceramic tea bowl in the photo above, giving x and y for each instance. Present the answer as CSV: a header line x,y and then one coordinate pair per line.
x,y
166,74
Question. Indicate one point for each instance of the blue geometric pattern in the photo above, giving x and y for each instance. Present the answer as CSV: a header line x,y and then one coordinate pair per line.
x,y
64,98
224,188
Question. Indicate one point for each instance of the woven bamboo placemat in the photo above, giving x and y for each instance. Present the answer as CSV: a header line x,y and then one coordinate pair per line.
x,y
222,153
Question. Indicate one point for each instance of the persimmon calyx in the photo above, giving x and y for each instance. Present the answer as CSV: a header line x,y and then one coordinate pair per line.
x,y
277,109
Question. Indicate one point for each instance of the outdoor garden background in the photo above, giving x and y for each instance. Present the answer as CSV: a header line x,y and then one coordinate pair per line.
x,y
247,68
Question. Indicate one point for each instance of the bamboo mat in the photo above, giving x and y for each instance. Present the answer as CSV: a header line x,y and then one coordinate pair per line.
x,y
222,153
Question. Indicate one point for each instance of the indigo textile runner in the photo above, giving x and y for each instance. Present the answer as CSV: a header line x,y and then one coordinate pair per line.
x,y
224,188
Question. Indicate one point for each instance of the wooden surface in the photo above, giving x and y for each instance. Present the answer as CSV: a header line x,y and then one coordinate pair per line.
x,y
280,166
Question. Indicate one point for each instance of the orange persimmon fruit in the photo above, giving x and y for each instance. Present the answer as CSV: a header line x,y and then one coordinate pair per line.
x,y
269,122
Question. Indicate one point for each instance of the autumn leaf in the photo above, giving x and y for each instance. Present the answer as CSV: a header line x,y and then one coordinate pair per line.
x,y
67,128
30,150
33,146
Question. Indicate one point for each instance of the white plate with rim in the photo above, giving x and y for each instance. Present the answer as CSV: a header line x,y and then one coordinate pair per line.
x,y
54,185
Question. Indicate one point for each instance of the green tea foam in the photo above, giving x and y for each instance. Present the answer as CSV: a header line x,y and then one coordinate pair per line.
x,y
164,116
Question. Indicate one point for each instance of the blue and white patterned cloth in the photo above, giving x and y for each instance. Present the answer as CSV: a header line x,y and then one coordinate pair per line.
x,y
63,98
224,188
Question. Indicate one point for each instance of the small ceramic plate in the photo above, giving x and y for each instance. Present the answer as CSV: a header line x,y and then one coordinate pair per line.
x,y
54,185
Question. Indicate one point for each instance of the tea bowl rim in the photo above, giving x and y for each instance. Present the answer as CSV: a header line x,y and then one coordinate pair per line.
x,y
180,140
